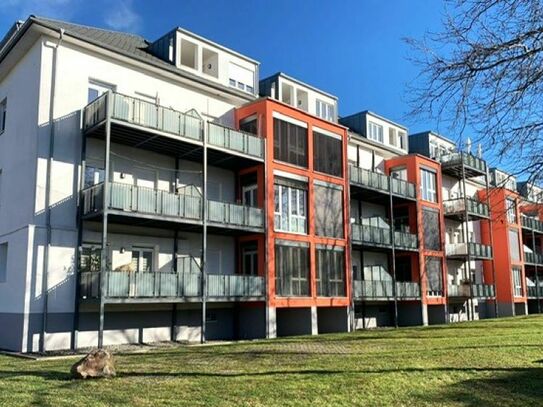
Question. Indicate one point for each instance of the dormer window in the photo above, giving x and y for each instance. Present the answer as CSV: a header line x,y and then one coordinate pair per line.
x,y
324,110
375,132
241,78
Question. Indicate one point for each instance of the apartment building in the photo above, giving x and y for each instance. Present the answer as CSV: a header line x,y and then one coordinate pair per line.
x,y
160,190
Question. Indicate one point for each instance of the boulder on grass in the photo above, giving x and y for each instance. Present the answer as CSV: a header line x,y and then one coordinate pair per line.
x,y
98,363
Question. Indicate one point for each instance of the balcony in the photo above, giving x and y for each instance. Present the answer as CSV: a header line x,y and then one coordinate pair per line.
x,y
235,140
366,179
383,290
129,113
532,224
456,209
473,290
405,241
533,291
128,199
367,235
476,251
402,188
534,259
369,179
122,286
452,164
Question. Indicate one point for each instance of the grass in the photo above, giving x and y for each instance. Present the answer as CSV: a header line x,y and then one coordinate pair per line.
x,y
493,362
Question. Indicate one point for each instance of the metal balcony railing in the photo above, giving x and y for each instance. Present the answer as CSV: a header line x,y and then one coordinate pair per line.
x,y
230,139
458,206
132,198
381,182
234,214
475,290
375,289
152,116
369,179
407,241
533,258
455,159
371,235
533,291
475,250
146,285
531,223
403,188
145,114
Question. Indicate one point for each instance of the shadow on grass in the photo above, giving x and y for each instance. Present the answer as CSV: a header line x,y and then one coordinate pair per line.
x,y
513,388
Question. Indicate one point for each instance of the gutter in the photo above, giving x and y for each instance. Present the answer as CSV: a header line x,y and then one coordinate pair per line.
x,y
50,157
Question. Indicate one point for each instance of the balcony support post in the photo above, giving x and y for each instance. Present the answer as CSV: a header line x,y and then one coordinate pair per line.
x,y
105,207
204,237
491,236
75,321
465,231
393,244
536,275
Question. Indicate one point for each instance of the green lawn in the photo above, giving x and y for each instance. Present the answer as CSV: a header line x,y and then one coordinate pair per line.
x,y
478,363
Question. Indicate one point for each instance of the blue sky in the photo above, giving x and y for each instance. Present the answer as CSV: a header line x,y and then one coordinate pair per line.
x,y
350,48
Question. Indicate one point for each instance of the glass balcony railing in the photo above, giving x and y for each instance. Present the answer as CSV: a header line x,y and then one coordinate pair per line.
x,y
376,289
474,250
187,125
457,206
533,258
381,182
145,285
532,224
130,198
473,290
230,139
455,159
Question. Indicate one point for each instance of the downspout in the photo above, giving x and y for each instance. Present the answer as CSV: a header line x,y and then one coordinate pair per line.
x,y
50,154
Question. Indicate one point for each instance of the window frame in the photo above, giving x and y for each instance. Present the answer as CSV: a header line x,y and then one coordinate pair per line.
x,y
293,216
427,193
373,128
3,114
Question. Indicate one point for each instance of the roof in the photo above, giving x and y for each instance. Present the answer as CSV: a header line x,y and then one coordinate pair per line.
x,y
369,112
128,45
433,133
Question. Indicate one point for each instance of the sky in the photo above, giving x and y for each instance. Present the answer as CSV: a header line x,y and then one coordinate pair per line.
x,y
353,49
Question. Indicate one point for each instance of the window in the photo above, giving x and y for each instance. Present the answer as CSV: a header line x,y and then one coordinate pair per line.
x,y
402,140
291,269
325,110
142,260
434,276
249,195
290,206
249,259
3,262
189,54
375,132
3,114
93,175
514,245
432,238
327,157
97,89
517,282
249,126
428,186
90,259
511,210
241,78
330,272
210,62
289,143
328,210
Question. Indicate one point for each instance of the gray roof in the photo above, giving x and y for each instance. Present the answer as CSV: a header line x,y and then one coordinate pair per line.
x,y
129,45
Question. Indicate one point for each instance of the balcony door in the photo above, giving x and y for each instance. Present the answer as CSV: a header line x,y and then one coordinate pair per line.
x,y
249,193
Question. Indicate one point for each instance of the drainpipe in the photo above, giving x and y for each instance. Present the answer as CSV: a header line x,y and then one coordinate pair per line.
x,y
50,155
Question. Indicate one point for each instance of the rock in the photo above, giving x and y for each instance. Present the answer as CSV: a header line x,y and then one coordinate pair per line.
x,y
98,363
